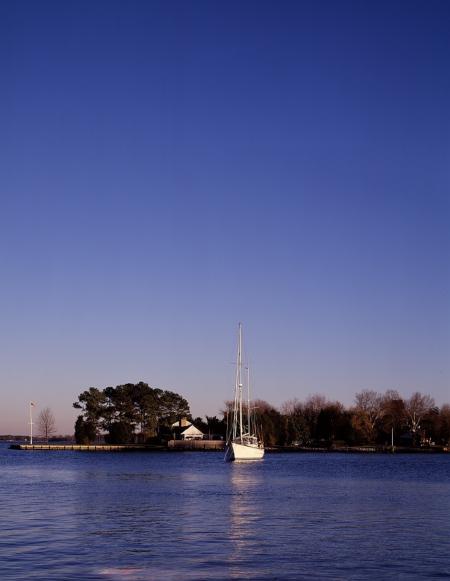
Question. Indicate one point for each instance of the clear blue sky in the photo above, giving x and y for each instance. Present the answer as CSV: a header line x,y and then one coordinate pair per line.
x,y
170,168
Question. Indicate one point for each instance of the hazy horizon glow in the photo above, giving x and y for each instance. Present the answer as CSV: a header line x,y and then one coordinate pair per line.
x,y
170,169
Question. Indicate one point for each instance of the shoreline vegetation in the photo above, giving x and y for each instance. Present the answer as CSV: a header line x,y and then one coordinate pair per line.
x,y
137,416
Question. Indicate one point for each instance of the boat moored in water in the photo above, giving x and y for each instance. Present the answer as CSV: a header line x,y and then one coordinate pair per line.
x,y
244,440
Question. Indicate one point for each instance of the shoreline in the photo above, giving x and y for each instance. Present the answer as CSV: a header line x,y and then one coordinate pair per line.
x,y
218,446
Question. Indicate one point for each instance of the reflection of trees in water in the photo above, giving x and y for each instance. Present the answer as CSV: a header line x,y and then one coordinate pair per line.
x,y
245,515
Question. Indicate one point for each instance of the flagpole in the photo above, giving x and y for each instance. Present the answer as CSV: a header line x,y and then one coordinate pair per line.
x,y
31,422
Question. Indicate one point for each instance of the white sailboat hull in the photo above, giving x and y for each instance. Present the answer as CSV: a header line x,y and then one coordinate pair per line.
x,y
237,451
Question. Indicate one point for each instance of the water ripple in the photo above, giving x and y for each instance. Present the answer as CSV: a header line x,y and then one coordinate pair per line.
x,y
166,516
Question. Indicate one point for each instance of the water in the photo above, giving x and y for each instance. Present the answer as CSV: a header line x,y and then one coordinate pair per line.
x,y
138,516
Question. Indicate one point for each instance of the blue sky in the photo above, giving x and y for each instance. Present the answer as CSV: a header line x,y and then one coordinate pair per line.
x,y
171,168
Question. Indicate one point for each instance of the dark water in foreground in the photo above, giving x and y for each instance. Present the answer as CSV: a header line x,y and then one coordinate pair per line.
x,y
69,515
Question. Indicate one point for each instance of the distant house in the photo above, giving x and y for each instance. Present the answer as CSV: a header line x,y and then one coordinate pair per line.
x,y
192,433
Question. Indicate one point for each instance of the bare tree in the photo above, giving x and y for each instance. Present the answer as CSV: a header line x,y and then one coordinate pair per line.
x,y
291,407
444,425
369,410
46,424
416,407
316,403
393,417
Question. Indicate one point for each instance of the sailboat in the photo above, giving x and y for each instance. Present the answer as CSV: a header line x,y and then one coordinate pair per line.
x,y
243,441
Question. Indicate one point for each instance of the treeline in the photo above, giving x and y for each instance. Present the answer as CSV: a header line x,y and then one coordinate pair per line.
x,y
138,413
129,413
373,420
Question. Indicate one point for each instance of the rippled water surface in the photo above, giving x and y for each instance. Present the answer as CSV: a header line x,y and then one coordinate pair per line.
x,y
75,515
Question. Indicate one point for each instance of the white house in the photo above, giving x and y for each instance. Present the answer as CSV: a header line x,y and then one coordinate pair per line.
x,y
192,433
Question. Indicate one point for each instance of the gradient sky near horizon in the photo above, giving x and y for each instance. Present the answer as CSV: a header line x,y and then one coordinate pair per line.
x,y
171,168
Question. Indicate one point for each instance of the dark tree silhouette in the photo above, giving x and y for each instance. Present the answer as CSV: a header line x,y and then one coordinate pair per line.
x,y
128,413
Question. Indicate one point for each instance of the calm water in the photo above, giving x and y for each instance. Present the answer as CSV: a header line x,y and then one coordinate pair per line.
x,y
191,516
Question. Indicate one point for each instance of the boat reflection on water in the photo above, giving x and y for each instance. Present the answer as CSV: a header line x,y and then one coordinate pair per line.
x,y
245,519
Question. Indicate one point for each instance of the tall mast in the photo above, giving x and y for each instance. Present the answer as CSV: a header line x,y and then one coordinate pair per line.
x,y
248,398
240,379
31,422
236,399
237,405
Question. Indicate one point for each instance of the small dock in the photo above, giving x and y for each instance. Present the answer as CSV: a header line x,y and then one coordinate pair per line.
x,y
203,445
171,446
